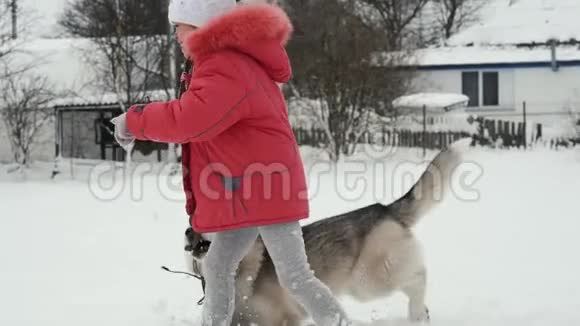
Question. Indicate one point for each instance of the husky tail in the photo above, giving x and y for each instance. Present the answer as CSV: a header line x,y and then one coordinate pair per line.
x,y
431,188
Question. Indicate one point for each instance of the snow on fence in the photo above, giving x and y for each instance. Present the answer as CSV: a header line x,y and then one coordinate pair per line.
x,y
486,132
506,133
386,137
427,140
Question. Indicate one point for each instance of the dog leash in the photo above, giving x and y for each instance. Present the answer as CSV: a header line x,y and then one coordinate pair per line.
x,y
199,277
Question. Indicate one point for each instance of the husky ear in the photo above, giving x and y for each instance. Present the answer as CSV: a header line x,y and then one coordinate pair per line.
x,y
192,238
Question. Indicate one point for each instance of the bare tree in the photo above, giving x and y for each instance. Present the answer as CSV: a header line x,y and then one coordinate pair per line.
x,y
131,38
9,12
575,116
572,107
23,97
10,42
417,23
453,15
133,43
24,109
336,75
395,16
5,28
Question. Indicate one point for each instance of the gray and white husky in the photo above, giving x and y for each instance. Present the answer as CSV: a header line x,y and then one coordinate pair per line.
x,y
366,254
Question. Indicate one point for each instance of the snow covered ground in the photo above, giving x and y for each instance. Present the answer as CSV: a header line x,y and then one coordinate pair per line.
x,y
69,257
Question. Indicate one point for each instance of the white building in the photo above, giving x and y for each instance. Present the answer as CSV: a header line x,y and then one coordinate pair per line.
x,y
81,113
525,51
85,100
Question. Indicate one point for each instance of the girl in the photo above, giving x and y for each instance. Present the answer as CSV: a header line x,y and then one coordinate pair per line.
x,y
242,171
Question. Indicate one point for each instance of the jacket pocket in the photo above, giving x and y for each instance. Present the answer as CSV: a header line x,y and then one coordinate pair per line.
x,y
232,185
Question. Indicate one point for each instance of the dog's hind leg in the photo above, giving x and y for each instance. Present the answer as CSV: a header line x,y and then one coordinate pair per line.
x,y
415,291
292,321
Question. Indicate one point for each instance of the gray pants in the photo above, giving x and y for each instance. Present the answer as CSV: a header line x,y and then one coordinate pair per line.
x,y
285,245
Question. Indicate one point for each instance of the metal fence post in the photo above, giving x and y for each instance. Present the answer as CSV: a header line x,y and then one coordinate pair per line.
x,y
525,127
424,130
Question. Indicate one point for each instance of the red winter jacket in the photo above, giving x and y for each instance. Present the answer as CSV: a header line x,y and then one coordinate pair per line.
x,y
241,164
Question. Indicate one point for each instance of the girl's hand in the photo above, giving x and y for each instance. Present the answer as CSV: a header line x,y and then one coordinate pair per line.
x,y
122,134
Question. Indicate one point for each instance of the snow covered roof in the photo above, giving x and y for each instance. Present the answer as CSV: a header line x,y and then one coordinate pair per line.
x,y
510,33
492,55
68,65
106,99
524,22
445,101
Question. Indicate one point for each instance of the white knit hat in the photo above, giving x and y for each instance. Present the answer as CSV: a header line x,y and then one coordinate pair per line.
x,y
197,12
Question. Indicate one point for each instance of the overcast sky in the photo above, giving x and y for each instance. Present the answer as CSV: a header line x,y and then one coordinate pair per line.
x,y
44,14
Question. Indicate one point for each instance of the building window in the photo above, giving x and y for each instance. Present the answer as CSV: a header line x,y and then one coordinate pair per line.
x,y
490,89
481,88
470,86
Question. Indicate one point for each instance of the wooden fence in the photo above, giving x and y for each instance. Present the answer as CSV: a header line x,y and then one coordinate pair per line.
x,y
428,140
510,133
399,138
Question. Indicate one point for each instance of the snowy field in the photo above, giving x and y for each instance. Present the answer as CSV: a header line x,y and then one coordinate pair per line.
x,y
72,254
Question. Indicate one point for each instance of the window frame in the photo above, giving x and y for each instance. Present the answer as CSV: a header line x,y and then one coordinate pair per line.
x,y
463,87
481,88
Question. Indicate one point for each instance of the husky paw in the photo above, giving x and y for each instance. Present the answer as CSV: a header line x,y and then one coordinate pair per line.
x,y
420,316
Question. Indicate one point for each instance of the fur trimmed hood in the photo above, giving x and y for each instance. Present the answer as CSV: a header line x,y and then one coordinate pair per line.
x,y
258,30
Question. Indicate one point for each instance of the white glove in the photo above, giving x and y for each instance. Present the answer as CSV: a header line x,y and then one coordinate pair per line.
x,y
122,134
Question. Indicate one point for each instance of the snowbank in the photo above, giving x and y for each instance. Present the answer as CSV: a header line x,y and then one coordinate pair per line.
x,y
506,259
